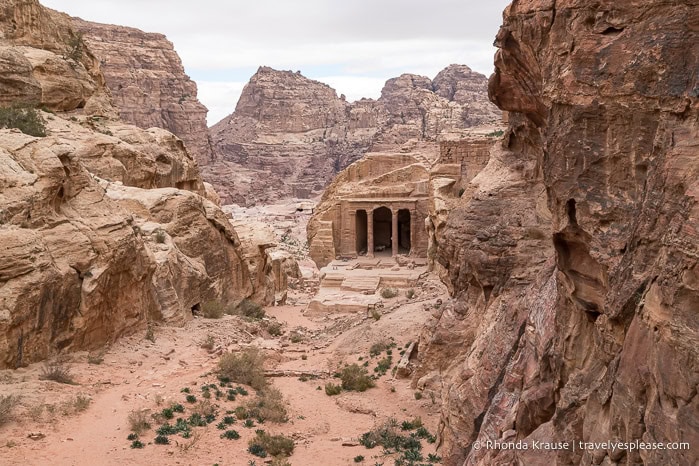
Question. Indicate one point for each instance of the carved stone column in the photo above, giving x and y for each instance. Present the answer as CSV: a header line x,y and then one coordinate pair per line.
x,y
394,233
370,232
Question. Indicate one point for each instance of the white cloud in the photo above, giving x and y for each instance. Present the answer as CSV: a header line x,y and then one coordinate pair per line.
x,y
356,43
220,98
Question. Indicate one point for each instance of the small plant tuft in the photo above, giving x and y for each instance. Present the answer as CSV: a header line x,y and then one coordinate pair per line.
x,y
162,440
138,422
7,406
58,371
356,378
388,293
331,389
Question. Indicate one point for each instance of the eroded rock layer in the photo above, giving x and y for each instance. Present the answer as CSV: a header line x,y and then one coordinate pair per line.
x,y
148,82
103,226
572,256
296,134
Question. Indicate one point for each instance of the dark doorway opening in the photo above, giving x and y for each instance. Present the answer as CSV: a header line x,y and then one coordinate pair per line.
x,y
382,229
360,232
404,231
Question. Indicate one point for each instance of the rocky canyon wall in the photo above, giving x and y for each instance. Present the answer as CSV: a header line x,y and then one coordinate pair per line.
x,y
573,259
148,82
103,226
297,133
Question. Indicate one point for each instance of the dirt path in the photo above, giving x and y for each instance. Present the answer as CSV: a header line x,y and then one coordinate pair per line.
x,y
138,374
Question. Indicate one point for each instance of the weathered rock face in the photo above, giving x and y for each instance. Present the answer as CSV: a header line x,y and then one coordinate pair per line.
x,y
44,62
297,134
575,319
103,226
148,82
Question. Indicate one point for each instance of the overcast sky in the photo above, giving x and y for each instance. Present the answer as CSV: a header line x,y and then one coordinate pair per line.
x,y
353,45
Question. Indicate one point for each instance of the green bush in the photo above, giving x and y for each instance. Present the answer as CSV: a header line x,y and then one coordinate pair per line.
x,y
246,367
230,435
24,118
162,440
356,378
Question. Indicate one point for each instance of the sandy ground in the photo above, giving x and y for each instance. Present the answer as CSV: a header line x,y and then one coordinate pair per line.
x,y
136,374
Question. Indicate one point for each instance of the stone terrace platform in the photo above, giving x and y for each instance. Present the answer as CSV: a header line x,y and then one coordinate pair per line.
x,y
354,285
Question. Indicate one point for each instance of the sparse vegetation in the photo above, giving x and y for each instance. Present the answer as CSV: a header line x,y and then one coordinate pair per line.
x,y
7,406
461,192
275,445
375,314
358,459
274,328
295,336
245,367
150,335
191,399
410,294
162,440
495,134
356,378
209,342
24,118
331,389
75,47
269,405
377,348
160,235
418,395
138,422
57,370
388,293
247,308
212,310
230,435
137,444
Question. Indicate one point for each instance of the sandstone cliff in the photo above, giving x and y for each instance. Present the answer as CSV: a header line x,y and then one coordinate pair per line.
x,y
572,257
104,226
297,134
148,82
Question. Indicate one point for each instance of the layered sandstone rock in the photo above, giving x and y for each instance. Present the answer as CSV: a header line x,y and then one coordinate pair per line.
x,y
104,226
296,134
45,63
573,262
148,82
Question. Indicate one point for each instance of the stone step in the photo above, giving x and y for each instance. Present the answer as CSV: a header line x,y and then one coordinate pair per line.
x,y
360,284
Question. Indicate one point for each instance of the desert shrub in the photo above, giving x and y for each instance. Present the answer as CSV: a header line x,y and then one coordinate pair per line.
x,y
432,458
137,444
384,365
95,358
388,293
24,118
160,236
331,389
257,450
410,294
249,423
167,413
418,395
375,314
274,328
230,435
209,342
275,445
132,436
191,399
81,403
495,134
358,459
162,440
228,420
7,406
58,371
150,335
75,47
247,308
178,408
138,422
355,378
245,367
377,348
212,310
385,435
295,336
269,405
241,413
413,424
